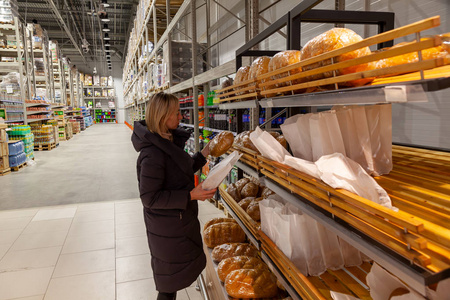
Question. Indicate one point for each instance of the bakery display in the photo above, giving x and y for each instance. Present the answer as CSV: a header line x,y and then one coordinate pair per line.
x,y
331,40
249,190
243,140
225,232
259,67
244,203
220,144
226,266
253,210
228,250
250,283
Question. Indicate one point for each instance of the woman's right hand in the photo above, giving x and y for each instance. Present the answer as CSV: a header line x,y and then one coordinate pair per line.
x,y
198,193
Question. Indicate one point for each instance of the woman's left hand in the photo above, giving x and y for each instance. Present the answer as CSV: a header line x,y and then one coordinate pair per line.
x,y
205,151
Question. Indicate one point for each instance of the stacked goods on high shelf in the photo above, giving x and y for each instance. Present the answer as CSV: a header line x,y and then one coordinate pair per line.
x,y
105,116
44,137
62,130
10,97
8,10
4,160
17,156
23,133
55,126
328,63
75,126
69,130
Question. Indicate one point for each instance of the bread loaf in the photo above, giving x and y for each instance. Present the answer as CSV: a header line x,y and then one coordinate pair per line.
x,y
267,192
241,183
411,57
234,192
331,40
247,143
218,220
244,203
260,66
249,283
242,75
233,249
250,190
282,140
253,210
283,59
221,143
228,265
221,233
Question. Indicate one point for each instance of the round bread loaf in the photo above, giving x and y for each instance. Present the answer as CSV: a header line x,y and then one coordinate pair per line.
x,y
253,210
225,232
234,192
226,266
266,192
218,220
331,40
250,190
221,143
242,75
250,283
260,66
241,183
244,203
233,249
283,59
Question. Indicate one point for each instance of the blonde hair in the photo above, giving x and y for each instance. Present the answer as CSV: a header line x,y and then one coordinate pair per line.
x,y
159,108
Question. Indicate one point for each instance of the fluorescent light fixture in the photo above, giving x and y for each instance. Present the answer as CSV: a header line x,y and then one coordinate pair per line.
x,y
105,28
105,3
107,38
107,44
105,18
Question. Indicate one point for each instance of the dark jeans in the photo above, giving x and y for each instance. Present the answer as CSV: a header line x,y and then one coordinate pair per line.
x,y
167,296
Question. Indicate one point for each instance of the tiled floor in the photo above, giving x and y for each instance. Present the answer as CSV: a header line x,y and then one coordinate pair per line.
x,y
80,252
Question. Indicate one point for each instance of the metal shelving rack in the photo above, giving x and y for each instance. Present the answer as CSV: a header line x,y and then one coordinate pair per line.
x,y
416,92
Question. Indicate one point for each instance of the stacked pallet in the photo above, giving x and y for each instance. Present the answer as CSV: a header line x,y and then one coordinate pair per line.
x,y
4,161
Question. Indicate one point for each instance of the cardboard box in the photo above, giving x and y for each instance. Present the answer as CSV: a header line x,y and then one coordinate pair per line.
x,y
4,162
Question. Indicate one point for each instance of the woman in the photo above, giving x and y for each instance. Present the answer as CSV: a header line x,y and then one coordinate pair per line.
x,y
167,190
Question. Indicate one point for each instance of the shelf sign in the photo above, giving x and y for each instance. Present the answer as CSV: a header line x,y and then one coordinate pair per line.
x,y
395,93
9,89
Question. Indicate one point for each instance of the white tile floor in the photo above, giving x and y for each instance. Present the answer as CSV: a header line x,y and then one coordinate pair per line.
x,y
80,252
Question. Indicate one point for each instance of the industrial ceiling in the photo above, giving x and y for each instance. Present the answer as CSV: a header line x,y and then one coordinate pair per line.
x,y
77,26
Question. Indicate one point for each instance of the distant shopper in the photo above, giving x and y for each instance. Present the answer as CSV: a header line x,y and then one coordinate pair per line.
x,y
167,190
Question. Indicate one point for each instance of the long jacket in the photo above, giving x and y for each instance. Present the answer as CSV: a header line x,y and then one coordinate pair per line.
x,y
166,176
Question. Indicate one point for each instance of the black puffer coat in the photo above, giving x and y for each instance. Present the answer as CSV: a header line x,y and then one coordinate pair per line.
x,y
166,176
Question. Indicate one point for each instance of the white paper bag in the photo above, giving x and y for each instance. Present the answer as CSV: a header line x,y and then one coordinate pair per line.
x,y
313,254
362,130
340,296
379,121
268,146
267,209
339,171
351,255
302,165
331,251
298,256
382,284
220,171
326,134
297,133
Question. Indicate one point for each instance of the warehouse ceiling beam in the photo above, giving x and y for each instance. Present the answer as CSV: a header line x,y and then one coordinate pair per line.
x,y
269,23
64,26
224,19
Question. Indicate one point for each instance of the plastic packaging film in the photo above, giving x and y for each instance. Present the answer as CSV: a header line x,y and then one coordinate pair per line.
x,y
226,266
227,250
242,75
221,233
248,283
283,59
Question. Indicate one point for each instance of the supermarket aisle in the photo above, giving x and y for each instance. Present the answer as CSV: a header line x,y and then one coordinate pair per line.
x,y
99,164
90,251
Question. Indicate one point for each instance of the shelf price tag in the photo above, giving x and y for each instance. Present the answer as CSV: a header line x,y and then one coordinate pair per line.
x,y
395,93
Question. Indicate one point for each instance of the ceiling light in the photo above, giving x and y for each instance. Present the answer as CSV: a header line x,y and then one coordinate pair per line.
x,y
105,28
107,38
108,55
107,44
105,3
105,18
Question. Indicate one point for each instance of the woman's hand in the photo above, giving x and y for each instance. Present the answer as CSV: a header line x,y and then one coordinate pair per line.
x,y
198,193
205,151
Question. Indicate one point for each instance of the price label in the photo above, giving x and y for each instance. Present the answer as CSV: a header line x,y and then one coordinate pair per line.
x,y
395,93
9,89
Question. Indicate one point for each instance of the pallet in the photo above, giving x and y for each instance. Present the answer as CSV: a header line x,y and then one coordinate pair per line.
x,y
5,171
17,168
47,147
